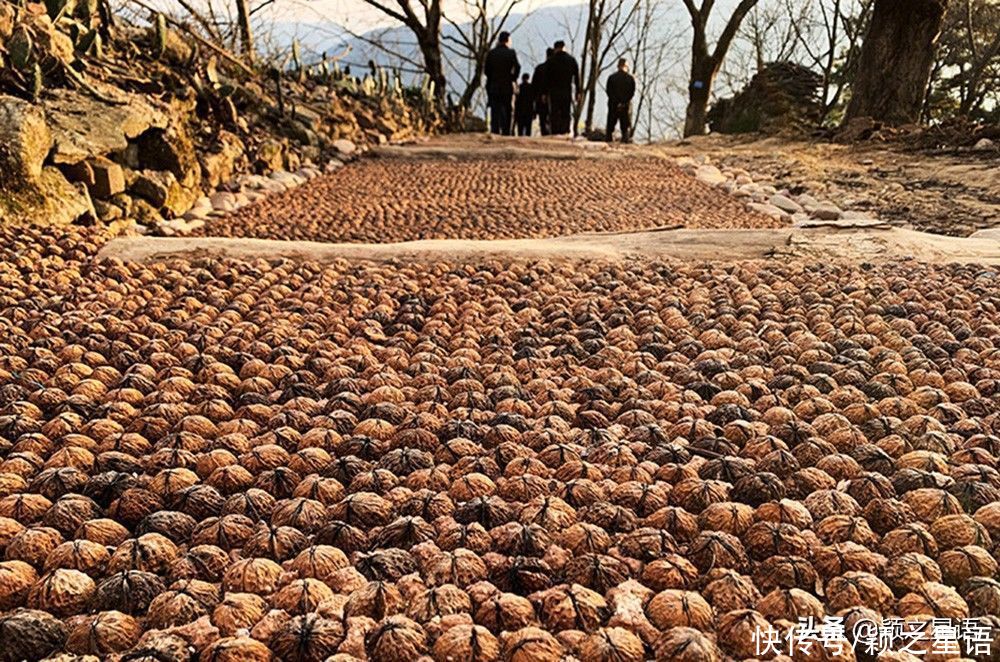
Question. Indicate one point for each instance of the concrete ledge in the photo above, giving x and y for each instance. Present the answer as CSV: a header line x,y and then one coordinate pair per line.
x,y
847,244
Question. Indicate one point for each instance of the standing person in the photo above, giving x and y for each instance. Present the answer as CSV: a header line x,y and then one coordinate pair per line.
x,y
562,83
541,98
621,90
524,106
501,69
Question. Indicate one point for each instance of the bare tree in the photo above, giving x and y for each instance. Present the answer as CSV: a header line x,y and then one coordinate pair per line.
x,y
472,39
608,21
705,63
830,39
896,60
246,32
967,68
423,18
653,53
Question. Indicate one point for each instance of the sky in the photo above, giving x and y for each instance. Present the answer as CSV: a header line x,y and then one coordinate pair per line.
x,y
358,16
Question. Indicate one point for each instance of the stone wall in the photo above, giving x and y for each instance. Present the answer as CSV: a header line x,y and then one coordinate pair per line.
x,y
149,123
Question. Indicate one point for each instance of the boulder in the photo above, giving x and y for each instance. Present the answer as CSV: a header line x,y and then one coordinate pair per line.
x,y
83,127
108,178
270,156
170,149
710,175
826,211
219,165
107,212
345,147
145,213
6,21
25,141
785,203
161,189
50,199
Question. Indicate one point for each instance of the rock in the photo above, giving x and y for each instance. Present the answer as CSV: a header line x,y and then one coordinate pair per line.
x,y
145,213
176,50
6,21
685,162
710,175
50,199
107,212
310,119
153,186
345,147
785,203
386,126
223,201
170,149
25,141
83,127
826,211
219,164
270,156
290,180
79,173
770,210
984,145
108,178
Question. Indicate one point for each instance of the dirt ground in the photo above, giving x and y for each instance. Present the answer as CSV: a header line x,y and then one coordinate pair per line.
x,y
951,192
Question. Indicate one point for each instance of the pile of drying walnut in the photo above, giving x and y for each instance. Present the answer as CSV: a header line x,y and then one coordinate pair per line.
x,y
502,461
400,200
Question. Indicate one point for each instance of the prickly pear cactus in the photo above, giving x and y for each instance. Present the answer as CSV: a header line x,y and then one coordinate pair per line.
x,y
159,35
21,49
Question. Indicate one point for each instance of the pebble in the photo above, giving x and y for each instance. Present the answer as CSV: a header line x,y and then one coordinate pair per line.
x,y
711,175
984,144
223,201
769,210
827,212
344,146
785,203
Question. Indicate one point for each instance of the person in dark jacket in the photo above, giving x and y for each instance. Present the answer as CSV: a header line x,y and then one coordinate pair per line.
x,y
541,98
621,90
501,71
562,85
524,106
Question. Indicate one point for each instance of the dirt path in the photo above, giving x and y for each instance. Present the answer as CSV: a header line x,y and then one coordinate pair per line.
x,y
953,193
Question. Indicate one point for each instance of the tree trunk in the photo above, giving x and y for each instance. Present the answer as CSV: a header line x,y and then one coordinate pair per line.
x,y
703,71
896,61
430,48
246,33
